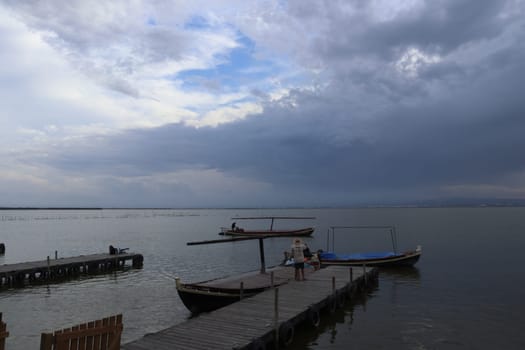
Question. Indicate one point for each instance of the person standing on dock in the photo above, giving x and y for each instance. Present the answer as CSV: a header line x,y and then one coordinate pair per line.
x,y
298,257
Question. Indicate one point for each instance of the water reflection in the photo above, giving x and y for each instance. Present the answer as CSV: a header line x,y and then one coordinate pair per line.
x,y
393,282
402,274
329,328
122,272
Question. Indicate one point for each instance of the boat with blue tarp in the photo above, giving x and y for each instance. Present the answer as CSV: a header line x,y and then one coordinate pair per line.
x,y
377,259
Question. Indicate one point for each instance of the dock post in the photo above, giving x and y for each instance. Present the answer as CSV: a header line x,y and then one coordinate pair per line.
x,y
332,300
137,261
350,286
364,274
276,317
56,255
272,281
46,341
48,268
241,290
261,253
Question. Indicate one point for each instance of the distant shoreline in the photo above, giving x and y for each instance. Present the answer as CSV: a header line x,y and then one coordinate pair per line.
x,y
423,206
50,208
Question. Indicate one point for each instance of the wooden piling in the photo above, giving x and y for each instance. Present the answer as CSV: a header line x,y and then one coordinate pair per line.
x,y
276,317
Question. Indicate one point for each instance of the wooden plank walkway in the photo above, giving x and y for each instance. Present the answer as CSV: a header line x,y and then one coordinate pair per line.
x,y
20,274
256,279
251,323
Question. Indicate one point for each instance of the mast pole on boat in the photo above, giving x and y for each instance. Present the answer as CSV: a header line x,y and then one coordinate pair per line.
x,y
328,240
392,236
333,239
395,239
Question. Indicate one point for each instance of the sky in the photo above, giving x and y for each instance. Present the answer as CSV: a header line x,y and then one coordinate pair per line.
x,y
242,103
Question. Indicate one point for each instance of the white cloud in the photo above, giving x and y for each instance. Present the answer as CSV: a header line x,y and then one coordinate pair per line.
x,y
84,70
227,114
412,60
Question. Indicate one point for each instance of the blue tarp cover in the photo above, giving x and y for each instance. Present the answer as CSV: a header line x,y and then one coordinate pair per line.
x,y
356,256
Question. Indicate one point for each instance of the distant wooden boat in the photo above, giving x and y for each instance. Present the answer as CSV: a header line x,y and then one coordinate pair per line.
x,y
213,294
307,231
374,259
379,259
271,232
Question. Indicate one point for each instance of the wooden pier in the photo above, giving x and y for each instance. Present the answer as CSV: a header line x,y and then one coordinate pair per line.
x,y
21,274
267,319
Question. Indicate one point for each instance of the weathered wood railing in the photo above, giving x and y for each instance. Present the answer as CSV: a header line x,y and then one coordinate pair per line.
x,y
101,334
3,333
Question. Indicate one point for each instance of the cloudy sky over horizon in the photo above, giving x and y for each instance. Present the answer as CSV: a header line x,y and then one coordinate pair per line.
x,y
260,103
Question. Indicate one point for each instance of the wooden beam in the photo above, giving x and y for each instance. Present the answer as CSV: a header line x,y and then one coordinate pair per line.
x,y
227,240
362,226
275,217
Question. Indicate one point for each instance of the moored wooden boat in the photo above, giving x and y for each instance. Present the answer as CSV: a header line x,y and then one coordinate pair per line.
x,y
213,294
199,298
307,231
271,232
382,259
376,259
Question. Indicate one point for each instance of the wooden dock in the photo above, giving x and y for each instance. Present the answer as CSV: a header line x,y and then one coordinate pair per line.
x,y
21,274
269,318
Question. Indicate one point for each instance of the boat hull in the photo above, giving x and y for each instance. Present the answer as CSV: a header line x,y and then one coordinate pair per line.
x,y
405,259
205,296
199,300
269,233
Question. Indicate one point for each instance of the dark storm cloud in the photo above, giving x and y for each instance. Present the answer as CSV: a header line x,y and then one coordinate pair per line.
x,y
437,25
473,137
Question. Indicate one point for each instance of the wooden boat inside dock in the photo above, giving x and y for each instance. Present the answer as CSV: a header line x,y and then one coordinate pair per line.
x,y
213,294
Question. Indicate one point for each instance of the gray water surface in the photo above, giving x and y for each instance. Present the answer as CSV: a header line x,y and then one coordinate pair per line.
x,y
466,292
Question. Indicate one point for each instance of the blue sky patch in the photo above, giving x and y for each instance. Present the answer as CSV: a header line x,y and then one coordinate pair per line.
x,y
151,21
238,68
197,22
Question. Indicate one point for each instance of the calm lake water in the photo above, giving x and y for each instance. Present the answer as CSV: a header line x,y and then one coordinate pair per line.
x,y
466,292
